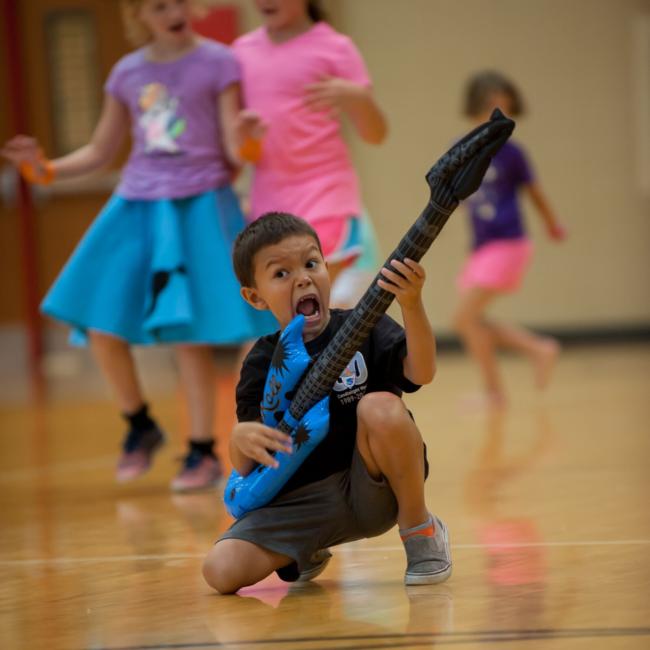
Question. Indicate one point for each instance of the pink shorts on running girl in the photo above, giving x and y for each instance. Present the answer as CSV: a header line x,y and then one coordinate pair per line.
x,y
340,238
499,265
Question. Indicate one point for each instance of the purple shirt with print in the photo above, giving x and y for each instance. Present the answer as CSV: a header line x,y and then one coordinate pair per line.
x,y
494,208
177,150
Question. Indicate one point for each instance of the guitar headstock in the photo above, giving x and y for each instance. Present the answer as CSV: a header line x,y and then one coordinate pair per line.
x,y
459,173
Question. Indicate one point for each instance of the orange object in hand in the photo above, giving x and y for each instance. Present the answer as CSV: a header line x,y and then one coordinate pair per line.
x,y
251,150
42,173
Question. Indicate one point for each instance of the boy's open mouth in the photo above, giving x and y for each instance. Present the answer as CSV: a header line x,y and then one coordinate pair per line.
x,y
178,27
309,307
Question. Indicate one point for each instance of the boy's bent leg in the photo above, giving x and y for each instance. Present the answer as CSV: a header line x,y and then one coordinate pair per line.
x,y
235,563
391,445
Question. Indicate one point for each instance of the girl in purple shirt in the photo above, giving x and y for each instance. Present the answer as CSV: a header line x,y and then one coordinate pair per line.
x,y
501,249
155,266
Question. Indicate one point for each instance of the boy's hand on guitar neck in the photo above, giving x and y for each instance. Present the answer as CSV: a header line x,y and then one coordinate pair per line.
x,y
405,282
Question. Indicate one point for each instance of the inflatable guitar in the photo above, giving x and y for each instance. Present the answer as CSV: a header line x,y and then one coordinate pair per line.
x,y
296,397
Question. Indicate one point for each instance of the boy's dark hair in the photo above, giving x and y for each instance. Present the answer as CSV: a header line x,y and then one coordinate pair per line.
x,y
316,11
271,228
485,83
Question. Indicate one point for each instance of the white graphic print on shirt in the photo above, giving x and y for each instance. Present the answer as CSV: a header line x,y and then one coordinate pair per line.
x,y
158,119
351,386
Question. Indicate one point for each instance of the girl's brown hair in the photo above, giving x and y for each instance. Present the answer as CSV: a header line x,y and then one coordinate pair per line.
x,y
316,11
484,84
136,32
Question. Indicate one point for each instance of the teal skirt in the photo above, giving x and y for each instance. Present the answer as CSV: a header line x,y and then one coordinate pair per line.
x,y
159,272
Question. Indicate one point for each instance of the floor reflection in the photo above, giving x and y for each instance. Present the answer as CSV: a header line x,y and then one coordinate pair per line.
x,y
204,513
318,611
155,526
516,563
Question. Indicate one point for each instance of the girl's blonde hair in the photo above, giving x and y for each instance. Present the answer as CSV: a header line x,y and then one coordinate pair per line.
x,y
136,32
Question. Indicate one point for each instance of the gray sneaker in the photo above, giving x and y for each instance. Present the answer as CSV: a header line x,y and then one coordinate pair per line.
x,y
428,558
317,564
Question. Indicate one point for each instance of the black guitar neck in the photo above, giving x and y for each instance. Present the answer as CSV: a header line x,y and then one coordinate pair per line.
x,y
454,177
372,306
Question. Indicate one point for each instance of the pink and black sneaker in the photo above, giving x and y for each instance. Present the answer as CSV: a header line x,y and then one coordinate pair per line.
x,y
200,471
137,454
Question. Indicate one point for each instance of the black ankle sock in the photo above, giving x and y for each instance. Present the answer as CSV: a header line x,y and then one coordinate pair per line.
x,y
140,420
205,448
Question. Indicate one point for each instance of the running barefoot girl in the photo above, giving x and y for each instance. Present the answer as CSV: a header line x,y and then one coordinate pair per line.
x,y
155,266
502,250
299,77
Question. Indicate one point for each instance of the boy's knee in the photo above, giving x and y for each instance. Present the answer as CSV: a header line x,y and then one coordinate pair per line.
x,y
382,413
219,573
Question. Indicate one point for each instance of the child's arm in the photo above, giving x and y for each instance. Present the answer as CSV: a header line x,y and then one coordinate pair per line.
x,y
250,444
358,101
240,128
420,362
554,228
102,148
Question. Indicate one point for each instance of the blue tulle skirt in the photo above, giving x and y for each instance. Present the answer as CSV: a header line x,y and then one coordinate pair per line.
x,y
159,272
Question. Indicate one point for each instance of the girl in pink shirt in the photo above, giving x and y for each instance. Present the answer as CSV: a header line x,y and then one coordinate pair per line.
x,y
299,76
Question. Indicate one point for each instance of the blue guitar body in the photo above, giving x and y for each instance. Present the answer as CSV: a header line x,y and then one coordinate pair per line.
x,y
290,360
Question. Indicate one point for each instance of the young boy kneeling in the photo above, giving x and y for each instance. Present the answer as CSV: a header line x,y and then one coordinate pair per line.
x,y
369,472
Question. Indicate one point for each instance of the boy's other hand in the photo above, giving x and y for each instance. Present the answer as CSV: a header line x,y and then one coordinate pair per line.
x,y
407,289
255,440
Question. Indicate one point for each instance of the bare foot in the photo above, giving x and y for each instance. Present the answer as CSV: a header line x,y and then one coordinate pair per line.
x,y
544,360
483,402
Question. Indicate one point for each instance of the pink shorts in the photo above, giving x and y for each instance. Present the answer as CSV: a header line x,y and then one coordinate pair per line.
x,y
499,265
340,238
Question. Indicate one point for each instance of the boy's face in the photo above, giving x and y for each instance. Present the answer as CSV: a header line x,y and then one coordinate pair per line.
x,y
292,278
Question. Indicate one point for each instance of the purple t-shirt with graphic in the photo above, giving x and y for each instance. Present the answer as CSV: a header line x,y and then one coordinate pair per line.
x,y
177,150
494,208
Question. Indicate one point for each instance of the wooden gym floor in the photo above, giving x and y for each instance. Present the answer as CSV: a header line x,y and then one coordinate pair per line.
x,y
548,506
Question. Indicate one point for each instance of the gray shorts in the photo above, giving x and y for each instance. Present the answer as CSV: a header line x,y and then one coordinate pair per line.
x,y
343,507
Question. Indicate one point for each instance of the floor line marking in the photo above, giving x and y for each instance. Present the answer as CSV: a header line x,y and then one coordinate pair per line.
x,y
416,639
347,550
58,469
478,640
622,542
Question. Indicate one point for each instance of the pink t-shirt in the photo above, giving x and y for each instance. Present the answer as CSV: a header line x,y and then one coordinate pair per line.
x,y
305,167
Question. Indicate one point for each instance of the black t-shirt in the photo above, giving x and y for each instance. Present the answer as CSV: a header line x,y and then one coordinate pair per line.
x,y
376,367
